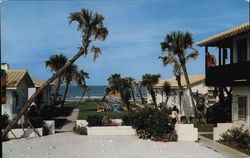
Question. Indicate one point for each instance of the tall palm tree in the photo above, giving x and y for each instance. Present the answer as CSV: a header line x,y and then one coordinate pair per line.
x,y
92,28
170,59
80,79
69,74
149,81
178,43
55,63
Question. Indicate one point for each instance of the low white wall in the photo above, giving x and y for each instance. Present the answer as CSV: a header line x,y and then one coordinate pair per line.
x,y
29,133
50,125
111,130
221,128
186,132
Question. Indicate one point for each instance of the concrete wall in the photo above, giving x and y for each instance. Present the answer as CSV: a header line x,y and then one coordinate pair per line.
x,y
186,132
240,91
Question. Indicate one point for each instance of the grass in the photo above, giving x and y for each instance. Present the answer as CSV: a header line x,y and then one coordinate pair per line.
x,y
89,108
246,151
209,136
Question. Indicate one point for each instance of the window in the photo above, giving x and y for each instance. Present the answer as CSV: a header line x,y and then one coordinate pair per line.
x,y
242,50
242,107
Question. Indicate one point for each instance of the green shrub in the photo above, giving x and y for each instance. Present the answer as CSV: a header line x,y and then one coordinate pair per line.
x,y
152,122
5,120
238,137
107,121
94,120
80,130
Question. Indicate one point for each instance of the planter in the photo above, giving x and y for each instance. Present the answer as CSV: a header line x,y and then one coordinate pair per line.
x,y
49,126
111,130
186,132
29,133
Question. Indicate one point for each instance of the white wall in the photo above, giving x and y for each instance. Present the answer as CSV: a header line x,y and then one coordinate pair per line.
x,y
45,96
174,99
239,91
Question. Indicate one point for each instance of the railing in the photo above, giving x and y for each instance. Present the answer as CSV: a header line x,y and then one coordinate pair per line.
x,y
237,74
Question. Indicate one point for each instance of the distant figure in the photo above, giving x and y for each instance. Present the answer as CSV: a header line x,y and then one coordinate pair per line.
x,y
211,60
175,113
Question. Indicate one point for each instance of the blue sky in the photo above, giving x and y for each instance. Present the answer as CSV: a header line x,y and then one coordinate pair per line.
x,y
31,31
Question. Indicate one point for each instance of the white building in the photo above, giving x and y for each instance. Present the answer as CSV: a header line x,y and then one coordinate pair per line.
x,y
197,85
45,97
232,69
17,84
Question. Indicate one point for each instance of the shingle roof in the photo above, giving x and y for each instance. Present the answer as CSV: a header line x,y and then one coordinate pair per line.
x,y
37,82
223,35
192,78
14,78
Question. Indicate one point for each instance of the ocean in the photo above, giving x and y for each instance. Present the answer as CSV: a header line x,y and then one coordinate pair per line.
x,y
96,92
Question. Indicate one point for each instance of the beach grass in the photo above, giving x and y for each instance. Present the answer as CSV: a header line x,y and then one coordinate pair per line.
x,y
89,108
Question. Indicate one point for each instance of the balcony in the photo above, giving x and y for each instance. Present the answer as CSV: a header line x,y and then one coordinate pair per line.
x,y
237,74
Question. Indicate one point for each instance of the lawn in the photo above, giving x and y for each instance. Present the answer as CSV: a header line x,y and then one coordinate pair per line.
x,y
89,108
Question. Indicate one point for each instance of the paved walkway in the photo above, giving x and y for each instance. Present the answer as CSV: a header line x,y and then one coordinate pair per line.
x,y
70,122
70,145
224,150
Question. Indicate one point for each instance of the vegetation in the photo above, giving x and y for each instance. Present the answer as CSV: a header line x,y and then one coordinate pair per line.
x,y
92,28
149,81
165,89
80,130
55,63
69,74
238,137
4,120
89,108
177,43
80,79
151,123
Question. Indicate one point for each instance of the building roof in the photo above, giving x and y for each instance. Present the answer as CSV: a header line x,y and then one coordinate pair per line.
x,y
223,35
14,78
192,78
37,82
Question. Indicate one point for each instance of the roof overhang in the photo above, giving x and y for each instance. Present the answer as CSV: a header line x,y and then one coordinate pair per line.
x,y
225,37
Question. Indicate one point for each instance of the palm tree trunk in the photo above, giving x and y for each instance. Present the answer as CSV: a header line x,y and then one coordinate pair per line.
x,y
56,89
140,93
65,93
133,95
83,50
84,91
152,93
178,79
183,65
164,105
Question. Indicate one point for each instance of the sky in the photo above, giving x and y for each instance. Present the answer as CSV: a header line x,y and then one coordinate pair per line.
x,y
32,31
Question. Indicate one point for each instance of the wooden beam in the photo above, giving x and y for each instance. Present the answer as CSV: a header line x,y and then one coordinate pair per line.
x,y
206,51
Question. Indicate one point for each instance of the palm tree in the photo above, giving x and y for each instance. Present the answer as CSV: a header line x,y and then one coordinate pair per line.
x,y
170,59
55,63
69,74
166,89
149,81
131,82
122,86
92,28
138,87
80,79
178,43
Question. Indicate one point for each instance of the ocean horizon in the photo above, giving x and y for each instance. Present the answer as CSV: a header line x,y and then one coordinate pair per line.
x,y
95,92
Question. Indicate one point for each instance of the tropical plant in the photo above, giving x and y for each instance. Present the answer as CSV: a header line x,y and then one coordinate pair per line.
x,y
55,63
121,86
92,28
170,59
69,74
178,43
166,89
138,87
149,81
80,79
131,82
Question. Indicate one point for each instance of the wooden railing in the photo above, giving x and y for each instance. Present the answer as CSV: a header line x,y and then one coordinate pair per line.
x,y
237,74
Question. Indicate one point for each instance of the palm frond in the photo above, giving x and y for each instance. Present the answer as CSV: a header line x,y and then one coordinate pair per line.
x,y
96,51
192,55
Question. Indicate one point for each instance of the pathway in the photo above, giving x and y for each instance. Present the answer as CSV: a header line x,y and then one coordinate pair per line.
x,y
70,122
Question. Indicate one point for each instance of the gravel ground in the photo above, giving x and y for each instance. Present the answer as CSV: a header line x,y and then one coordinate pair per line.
x,y
69,145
